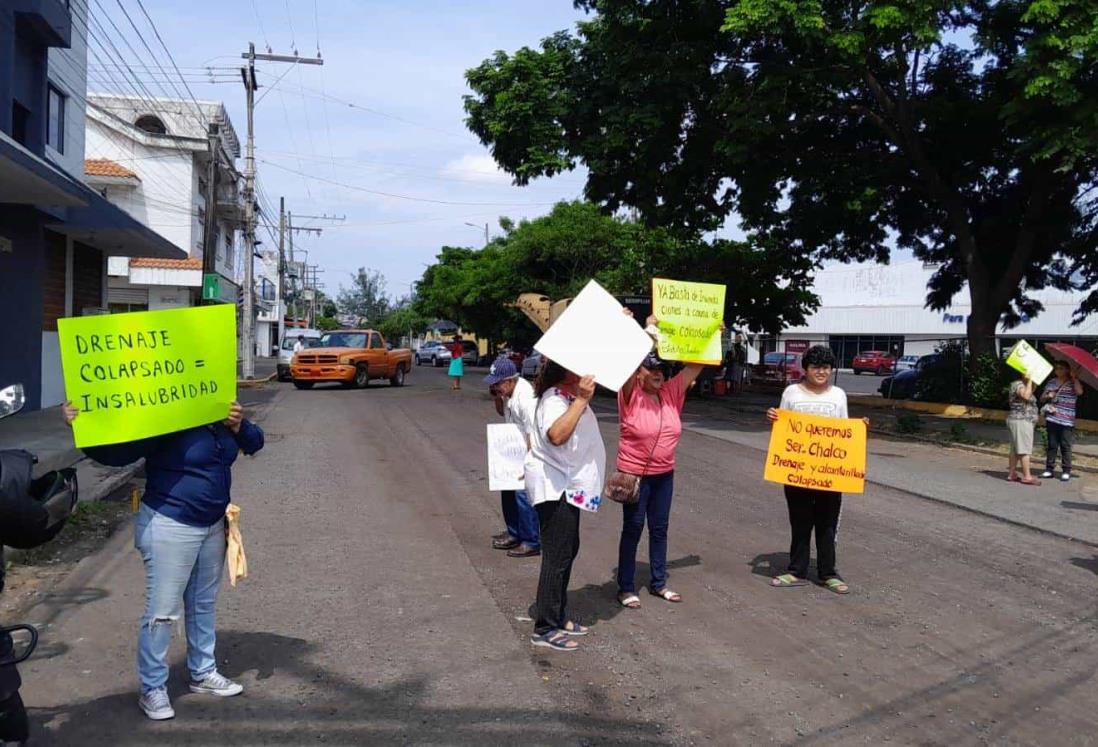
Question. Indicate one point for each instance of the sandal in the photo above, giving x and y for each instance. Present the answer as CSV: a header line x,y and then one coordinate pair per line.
x,y
787,581
554,639
573,628
1013,478
837,585
666,594
1030,481
629,600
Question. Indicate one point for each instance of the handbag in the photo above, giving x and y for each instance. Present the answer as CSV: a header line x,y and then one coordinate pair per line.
x,y
623,487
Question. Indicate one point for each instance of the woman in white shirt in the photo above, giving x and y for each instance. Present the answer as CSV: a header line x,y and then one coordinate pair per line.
x,y
564,475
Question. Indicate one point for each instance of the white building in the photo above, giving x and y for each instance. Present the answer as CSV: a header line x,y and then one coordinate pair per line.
x,y
883,307
268,302
154,165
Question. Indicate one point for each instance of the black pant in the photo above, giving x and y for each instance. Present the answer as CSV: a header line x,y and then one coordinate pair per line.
x,y
560,543
1060,438
13,719
813,509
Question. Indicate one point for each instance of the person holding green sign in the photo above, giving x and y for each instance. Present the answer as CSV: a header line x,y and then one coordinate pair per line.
x,y
180,533
1021,420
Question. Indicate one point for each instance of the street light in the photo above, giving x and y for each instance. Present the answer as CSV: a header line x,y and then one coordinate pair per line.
x,y
474,225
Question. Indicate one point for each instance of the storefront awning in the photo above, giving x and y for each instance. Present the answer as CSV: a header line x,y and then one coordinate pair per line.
x,y
109,228
26,179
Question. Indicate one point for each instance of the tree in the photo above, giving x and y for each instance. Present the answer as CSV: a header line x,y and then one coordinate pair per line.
x,y
402,319
559,253
965,132
327,323
366,297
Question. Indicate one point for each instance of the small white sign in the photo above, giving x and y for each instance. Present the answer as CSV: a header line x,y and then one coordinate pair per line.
x,y
506,457
595,337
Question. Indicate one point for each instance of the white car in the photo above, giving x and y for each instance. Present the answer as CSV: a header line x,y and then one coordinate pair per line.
x,y
434,352
907,362
286,349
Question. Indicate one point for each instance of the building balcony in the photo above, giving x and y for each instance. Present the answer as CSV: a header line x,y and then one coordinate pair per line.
x,y
50,21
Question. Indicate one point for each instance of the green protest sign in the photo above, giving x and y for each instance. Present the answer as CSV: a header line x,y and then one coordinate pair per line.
x,y
690,317
149,372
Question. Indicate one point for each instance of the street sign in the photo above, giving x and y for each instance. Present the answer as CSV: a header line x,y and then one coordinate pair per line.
x,y
211,287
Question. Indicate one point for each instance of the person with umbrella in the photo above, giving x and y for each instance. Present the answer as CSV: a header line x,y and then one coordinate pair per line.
x,y
1059,399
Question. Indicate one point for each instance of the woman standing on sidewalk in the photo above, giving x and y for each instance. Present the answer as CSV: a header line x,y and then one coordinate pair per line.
x,y
180,533
1059,398
457,362
1021,420
564,475
650,413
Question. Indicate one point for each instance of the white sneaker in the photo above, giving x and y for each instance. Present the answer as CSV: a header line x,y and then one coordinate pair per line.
x,y
217,684
1065,477
1046,474
157,705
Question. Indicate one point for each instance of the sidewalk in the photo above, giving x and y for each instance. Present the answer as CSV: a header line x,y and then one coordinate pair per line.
x,y
966,479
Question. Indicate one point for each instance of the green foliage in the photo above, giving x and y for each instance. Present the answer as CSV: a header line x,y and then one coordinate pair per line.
x,y
559,253
964,132
909,422
959,432
326,323
989,383
366,298
402,320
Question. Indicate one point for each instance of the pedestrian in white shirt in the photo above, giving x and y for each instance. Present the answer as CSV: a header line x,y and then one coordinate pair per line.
x,y
811,509
515,401
300,344
565,473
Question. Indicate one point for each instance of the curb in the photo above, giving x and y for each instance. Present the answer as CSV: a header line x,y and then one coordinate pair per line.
x,y
949,411
248,383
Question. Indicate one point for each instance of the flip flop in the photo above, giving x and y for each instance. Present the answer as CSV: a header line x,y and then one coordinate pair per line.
x,y
1030,481
556,640
667,595
836,585
787,581
629,600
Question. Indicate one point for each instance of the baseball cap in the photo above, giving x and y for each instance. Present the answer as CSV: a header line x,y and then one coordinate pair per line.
x,y
501,370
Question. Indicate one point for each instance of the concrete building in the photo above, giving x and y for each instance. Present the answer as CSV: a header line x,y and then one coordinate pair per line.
x,y
883,307
269,304
150,157
55,232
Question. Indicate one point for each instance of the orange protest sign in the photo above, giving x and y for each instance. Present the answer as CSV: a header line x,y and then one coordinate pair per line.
x,y
810,451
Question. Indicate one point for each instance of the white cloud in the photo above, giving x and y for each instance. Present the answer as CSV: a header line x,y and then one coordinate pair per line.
x,y
477,167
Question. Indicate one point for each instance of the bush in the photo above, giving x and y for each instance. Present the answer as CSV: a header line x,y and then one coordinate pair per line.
x,y
943,380
959,432
909,422
989,384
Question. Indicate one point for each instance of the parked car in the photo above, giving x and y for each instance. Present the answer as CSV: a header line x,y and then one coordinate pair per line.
x,y
873,361
471,352
352,358
286,348
906,362
531,364
905,384
777,369
434,352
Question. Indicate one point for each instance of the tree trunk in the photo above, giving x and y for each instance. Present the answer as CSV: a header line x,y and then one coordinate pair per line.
x,y
983,320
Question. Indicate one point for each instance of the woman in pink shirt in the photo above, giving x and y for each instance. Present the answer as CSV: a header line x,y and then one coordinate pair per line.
x,y
649,408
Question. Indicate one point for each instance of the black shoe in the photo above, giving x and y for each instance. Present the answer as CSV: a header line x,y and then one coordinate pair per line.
x,y
505,544
524,551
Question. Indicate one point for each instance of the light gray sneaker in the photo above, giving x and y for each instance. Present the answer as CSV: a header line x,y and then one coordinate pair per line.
x,y
218,684
157,705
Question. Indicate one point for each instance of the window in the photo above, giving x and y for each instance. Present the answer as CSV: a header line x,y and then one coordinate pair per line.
x,y
375,341
229,258
20,121
55,120
151,124
123,308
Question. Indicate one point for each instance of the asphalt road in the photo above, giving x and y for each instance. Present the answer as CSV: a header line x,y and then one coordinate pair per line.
x,y
376,611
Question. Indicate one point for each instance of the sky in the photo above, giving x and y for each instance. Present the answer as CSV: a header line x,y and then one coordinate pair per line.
x,y
382,115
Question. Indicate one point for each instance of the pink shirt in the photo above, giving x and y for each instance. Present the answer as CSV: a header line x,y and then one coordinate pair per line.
x,y
640,427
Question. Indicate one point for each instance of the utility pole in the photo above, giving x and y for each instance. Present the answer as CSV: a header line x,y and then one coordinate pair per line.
x,y
281,269
303,229
209,227
250,87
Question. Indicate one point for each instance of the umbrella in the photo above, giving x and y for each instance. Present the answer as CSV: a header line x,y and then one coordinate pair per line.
x,y
443,325
1083,362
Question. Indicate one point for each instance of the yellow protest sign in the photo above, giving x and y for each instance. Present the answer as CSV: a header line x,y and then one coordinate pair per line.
x,y
811,451
1028,361
690,316
149,372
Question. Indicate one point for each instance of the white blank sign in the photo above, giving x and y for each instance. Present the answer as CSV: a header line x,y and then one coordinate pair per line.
x,y
594,336
506,457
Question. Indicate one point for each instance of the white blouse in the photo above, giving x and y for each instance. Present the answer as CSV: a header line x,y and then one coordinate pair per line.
x,y
576,468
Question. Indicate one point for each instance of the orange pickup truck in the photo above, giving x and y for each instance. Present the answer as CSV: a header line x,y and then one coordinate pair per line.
x,y
351,357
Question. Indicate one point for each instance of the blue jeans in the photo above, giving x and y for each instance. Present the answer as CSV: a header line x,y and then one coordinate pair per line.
x,y
183,566
520,517
654,502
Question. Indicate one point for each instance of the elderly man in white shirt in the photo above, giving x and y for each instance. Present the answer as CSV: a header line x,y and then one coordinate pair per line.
x,y
515,401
